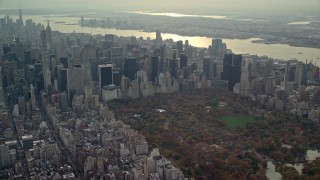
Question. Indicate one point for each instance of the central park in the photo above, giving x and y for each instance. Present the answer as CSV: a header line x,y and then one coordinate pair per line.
x,y
216,134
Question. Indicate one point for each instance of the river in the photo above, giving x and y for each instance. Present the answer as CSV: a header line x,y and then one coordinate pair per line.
x,y
68,24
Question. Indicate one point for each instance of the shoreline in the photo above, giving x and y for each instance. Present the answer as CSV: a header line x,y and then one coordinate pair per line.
x,y
261,40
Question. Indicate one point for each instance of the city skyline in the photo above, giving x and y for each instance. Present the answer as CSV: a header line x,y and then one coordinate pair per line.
x,y
137,96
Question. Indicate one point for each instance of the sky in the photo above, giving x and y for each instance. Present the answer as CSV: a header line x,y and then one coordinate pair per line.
x,y
222,5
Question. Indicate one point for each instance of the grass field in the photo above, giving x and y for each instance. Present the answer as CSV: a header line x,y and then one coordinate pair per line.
x,y
234,121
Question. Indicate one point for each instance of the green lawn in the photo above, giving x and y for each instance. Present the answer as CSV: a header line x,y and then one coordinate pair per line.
x,y
234,121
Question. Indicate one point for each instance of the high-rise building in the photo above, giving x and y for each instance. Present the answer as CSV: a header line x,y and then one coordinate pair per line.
x,y
291,73
82,21
5,160
246,78
298,73
43,36
270,85
116,76
125,83
183,61
94,69
209,68
232,69
52,63
20,21
18,76
49,36
173,68
186,45
27,142
88,52
64,101
268,68
158,39
46,38
105,72
163,58
154,67
64,61
175,54
22,105
109,38
28,58
32,98
75,81
217,47
130,68
180,47
62,78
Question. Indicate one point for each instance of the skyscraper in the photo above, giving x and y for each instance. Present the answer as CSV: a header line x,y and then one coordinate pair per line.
x,y
183,61
49,36
62,78
46,38
75,81
298,73
130,68
232,69
82,21
158,39
268,68
217,47
43,36
180,47
20,23
173,68
208,68
27,58
154,63
116,76
105,72
163,58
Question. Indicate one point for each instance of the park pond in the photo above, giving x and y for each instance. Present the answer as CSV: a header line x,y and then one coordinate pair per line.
x,y
272,174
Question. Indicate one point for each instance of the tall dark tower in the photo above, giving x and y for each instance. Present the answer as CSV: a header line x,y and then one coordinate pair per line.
x,y
105,75
183,61
209,68
163,58
231,69
217,47
49,36
130,68
154,67
158,39
180,47
173,68
27,57
20,18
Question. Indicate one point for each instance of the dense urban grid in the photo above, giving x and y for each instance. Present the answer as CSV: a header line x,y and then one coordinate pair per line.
x,y
55,89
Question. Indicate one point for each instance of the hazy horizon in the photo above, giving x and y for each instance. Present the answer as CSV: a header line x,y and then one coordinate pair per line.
x,y
227,6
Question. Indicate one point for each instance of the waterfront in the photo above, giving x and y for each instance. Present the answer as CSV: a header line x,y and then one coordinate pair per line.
x,y
241,46
177,15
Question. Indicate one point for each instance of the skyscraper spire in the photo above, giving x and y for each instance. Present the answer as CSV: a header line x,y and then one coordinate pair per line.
x,y
20,18
49,36
48,24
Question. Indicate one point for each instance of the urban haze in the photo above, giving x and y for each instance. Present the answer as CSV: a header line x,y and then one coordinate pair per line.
x,y
152,90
